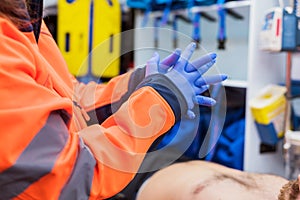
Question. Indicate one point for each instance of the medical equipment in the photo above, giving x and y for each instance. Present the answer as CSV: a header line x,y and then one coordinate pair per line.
x,y
73,35
292,137
268,109
106,47
292,154
281,30
194,11
89,38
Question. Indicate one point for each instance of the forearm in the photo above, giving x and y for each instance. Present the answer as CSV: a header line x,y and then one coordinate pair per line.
x,y
120,144
101,100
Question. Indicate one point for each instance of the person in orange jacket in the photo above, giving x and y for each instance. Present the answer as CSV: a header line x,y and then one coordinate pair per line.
x,y
62,139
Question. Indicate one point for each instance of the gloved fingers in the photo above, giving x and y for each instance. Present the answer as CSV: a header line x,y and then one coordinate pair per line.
x,y
169,61
204,101
210,80
204,62
200,90
190,114
185,56
203,69
191,77
152,64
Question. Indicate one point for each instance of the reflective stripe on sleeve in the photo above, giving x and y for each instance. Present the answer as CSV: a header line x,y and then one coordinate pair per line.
x,y
79,185
37,159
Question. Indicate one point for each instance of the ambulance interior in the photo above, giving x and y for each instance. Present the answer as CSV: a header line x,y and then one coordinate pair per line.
x,y
255,126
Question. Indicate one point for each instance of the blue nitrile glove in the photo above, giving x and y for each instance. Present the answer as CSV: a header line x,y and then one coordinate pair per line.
x,y
164,65
188,77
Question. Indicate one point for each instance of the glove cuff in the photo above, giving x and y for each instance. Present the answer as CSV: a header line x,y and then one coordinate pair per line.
x,y
169,91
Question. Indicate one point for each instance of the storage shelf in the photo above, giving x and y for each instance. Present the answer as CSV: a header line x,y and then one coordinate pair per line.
x,y
197,9
231,4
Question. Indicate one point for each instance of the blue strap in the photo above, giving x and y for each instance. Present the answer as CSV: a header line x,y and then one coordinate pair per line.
x,y
175,29
166,13
196,23
146,16
222,26
156,29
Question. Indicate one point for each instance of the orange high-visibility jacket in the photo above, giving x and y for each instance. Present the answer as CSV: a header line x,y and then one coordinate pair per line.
x,y
49,146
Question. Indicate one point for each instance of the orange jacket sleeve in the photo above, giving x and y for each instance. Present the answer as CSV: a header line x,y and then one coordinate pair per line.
x,y
47,150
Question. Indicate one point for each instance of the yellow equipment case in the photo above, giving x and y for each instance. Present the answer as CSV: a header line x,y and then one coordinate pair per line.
x,y
89,37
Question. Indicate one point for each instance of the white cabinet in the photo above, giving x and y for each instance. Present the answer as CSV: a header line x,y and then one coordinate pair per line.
x,y
263,68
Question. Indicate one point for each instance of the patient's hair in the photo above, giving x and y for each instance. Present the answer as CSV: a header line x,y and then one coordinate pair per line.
x,y
290,191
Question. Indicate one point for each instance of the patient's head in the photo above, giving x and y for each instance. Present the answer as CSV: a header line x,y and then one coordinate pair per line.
x,y
197,180
290,191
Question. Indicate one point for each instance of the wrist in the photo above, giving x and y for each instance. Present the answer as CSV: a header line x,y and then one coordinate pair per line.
x,y
169,91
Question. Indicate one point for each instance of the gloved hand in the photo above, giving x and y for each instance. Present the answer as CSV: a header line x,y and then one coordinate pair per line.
x,y
164,65
188,76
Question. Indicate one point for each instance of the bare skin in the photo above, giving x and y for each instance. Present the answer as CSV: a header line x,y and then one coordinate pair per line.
x,y
197,180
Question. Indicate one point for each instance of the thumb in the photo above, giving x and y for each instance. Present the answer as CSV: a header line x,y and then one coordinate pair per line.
x,y
152,64
169,61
